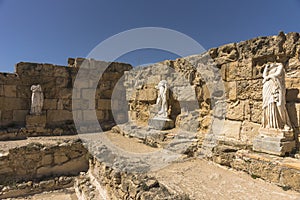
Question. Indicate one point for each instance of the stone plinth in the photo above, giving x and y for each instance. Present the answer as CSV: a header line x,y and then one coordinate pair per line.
x,y
36,121
273,141
161,123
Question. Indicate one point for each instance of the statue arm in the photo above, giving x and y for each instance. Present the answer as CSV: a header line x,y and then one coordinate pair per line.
x,y
266,71
279,70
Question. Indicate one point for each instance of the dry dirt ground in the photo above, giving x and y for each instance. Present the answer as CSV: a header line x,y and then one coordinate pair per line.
x,y
201,179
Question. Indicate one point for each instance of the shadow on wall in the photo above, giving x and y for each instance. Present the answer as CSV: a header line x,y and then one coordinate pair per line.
x,y
293,107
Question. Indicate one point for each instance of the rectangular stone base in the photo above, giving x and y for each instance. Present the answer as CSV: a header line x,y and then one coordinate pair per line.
x,y
279,144
36,121
161,123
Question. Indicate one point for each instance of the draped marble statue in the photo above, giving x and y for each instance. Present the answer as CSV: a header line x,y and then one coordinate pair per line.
x,y
162,98
37,100
274,110
161,120
276,135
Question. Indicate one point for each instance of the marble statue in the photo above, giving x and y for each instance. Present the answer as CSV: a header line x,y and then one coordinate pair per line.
x,y
276,135
37,100
275,115
162,98
161,120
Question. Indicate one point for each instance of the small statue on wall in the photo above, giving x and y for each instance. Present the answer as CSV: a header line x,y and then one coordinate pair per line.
x,y
274,110
162,98
37,100
161,121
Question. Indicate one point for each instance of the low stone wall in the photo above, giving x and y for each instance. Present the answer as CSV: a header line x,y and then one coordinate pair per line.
x,y
29,188
284,172
104,182
36,162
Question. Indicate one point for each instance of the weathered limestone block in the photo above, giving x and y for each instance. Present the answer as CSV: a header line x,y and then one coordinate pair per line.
x,y
10,90
256,111
61,82
231,129
294,62
293,89
14,103
35,121
291,178
250,89
184,93
28,69
148,94
60,157
294,113
226,53
104,104
239,110
80,104
1,90
104,85
65,93
188,121
265,170
239,71
19,115
65,104
50,104
60,71
7,115
58,116
88,115
290,44
47,159
105,94
263,46
276,142
108,76
47,69
231,90
23,91
249,131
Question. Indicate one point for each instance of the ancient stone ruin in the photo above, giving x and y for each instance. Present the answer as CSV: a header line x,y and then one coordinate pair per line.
x,y
164,128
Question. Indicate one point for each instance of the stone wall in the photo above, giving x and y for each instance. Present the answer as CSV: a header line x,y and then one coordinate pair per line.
x,y
57,84
104,182
239,66
39,162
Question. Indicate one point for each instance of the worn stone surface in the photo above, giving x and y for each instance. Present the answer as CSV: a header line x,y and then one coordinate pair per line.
x,y
161,124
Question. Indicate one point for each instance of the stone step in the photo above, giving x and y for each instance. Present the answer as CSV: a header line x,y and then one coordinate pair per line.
x,y
87,187
24,189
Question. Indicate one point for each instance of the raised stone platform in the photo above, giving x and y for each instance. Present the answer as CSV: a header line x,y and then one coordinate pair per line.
x,y
161,123
276,142
36,121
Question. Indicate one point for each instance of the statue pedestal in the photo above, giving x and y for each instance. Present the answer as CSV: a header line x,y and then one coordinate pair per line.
x,y
161,123
274,141
34,122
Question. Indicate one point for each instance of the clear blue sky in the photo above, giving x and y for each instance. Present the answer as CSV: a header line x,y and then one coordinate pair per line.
x,y
50,31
